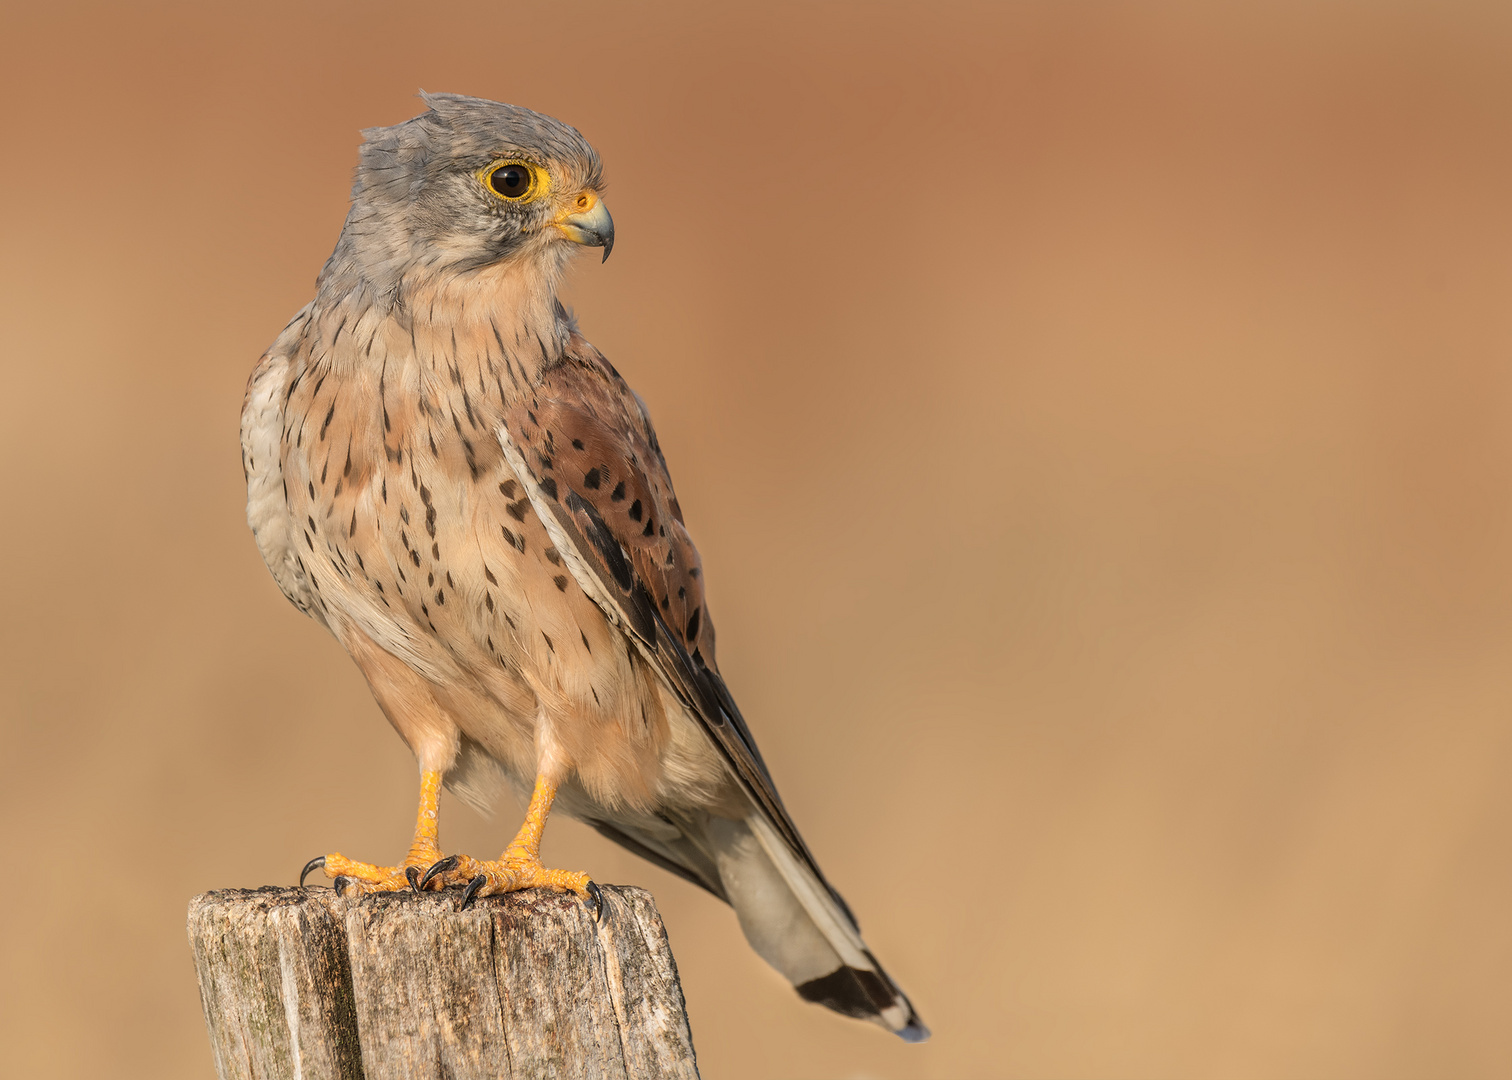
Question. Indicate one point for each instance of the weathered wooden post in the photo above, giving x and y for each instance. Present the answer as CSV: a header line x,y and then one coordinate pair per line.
x,y
301,983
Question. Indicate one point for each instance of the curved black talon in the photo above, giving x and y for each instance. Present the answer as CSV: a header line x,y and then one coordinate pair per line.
x,y
412,874
598,902
441,867
340,884
314,864
472,890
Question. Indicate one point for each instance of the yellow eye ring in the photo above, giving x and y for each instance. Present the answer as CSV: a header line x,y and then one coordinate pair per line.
x,y
515,181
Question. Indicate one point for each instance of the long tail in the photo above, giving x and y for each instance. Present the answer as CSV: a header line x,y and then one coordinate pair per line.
x,y
795,922
800,927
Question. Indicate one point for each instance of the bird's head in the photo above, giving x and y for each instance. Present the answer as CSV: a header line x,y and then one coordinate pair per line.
x,y
468,184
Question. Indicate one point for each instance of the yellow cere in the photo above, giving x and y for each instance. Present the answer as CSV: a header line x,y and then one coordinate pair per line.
x,y
584,202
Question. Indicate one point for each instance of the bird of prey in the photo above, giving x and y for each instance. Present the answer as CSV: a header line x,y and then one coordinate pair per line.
x,y
467,495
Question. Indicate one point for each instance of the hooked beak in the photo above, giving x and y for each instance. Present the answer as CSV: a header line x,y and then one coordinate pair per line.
x,y
587,222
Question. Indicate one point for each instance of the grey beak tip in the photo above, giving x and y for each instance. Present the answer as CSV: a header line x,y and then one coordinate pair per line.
x,y
608,247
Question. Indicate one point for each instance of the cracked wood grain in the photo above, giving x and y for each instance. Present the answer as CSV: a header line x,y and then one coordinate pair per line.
x,y
301,983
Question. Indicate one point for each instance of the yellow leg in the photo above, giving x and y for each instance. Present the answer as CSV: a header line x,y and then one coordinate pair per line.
x,y
355,878
520,865
527,842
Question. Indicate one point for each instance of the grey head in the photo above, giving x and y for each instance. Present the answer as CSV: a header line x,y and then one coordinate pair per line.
x,y
467,184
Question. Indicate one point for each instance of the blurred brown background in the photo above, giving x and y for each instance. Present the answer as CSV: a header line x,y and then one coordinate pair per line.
x,y
1133,382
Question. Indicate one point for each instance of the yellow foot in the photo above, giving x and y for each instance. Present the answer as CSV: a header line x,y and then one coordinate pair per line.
x,y
511,873
354,878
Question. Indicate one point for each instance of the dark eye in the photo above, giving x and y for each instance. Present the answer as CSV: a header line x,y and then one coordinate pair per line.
x,y
510,181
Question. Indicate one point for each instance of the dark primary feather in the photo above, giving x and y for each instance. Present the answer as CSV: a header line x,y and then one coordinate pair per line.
x,y
589,447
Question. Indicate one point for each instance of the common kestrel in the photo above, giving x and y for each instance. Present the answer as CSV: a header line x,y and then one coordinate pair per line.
x,y
448,477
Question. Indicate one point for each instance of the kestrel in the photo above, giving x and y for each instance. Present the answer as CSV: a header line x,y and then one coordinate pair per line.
x,y
448,477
